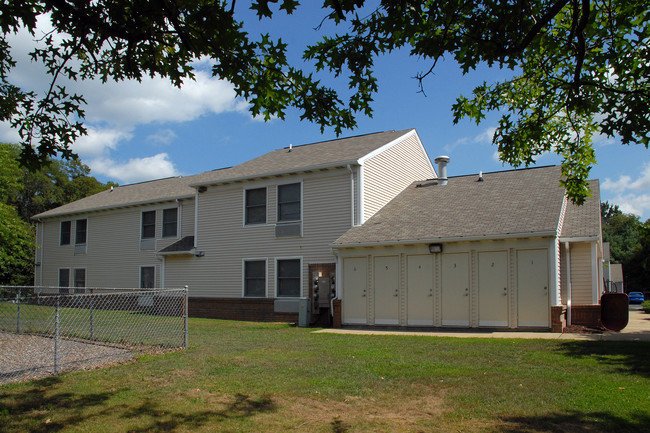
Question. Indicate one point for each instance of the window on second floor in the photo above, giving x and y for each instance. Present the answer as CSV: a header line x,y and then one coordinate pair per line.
x,y
148,224
81,227
66,230
170,223
255,206
289,202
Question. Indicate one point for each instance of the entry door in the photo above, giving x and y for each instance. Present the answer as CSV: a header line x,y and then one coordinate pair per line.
x,y
419,290
455,289
354,304
532,288
493,288
386,282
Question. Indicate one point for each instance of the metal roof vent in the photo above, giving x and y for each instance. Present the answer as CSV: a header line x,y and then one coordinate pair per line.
x,y
442,162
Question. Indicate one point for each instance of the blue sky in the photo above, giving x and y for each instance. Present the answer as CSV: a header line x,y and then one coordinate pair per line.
x,y
149,130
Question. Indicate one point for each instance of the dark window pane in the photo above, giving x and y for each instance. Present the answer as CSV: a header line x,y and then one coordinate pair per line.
x,y
147,277
170,219
289,202
66,229
64,277
80,234
256,206
289,278
149,224
80,278
255,278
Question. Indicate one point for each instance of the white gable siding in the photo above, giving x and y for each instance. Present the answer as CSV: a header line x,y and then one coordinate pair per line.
x,y
226,241
385,175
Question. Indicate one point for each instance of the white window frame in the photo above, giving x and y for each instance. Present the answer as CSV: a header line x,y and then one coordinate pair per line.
x,y
59,280
154,275
69,232
178,222
266,276
74,278
76,241
277,202
266,206
277,274
155,223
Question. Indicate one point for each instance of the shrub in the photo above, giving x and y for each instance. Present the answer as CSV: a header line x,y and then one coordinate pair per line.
x,y
646,306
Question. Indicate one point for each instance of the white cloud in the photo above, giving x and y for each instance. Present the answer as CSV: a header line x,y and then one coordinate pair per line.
x,y
99,141
632,195
625,182
8,134
637,204
164,136
135,169
486,136
617,186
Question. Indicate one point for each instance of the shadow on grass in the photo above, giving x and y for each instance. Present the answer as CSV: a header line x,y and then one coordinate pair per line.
x,y
628,357
161,420
31,409
576,422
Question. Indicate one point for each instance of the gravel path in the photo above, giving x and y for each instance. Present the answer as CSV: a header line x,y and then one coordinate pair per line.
x,y
28,357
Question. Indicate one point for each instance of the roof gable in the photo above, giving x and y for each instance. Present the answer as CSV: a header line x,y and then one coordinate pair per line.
x,y
507,203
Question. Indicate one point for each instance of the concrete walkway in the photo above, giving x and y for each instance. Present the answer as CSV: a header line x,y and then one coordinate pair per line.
x,y
637,329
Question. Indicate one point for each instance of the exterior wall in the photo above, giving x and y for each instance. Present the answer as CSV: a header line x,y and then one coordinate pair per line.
x,y
226,241
114,253
387,174
473,251
581,274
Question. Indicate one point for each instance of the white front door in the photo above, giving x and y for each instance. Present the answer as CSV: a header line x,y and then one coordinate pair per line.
x,y
455,289
532,288
354,303
419,290
386,284
493,288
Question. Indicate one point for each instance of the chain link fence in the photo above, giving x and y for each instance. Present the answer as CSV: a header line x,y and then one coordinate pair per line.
x,y
46,330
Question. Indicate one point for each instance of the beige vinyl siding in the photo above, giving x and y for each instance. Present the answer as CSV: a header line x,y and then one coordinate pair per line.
x,y
225,241
388,173
581,274
113,256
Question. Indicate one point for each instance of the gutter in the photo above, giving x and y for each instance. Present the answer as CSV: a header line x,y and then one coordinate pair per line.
x,y
550,233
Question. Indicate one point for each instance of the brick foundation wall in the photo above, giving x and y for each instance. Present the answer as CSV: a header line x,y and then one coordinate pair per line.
x,y
558,318
585,315
257,310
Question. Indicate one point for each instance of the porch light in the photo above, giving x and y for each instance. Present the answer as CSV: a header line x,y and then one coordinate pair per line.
x,y
435,248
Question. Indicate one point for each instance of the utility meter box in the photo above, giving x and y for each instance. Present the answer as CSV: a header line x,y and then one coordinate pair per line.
x,y
304,312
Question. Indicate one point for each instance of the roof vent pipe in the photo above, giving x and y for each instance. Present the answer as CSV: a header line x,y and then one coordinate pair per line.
x,y
442,169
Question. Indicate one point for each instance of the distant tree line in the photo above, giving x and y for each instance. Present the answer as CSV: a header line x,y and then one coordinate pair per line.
x,y
629,245
25,193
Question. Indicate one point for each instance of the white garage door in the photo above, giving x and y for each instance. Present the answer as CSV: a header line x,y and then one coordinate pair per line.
x,y
386,285
493,288
455,289
419,290
532,288
354,304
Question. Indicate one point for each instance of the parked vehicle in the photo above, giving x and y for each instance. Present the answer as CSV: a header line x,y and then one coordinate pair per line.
x,y
636,297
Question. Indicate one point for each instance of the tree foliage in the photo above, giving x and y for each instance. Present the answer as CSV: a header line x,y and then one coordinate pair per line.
x,y
579,67
25,193
629,245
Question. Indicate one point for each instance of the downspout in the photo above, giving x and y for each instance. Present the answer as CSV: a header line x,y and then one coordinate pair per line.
x,y
568,284
336,282
362,211
196,219
353,218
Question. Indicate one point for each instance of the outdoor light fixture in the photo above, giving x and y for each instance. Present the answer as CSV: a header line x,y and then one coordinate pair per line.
x,y
435,248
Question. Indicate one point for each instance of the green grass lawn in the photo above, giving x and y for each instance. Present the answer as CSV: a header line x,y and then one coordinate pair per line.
x,y
253,377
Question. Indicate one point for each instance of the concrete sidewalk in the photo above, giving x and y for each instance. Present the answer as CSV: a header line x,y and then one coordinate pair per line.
x,y
637,329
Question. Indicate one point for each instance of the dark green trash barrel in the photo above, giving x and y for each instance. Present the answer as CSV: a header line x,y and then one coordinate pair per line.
x,y
614,313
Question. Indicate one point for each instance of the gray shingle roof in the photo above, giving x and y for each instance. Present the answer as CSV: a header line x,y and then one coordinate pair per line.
x,y
527,201
309,156
139,193
584,221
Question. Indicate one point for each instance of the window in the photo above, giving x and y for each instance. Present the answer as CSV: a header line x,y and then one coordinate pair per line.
x,y
289,202
255,278
148,224
170,221
79,278
66,230
147,277
288,278
80,234
256,206
64,280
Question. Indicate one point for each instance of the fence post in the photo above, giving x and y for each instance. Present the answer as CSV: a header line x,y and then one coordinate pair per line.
x,y
185,314
18,312
92,309
56,336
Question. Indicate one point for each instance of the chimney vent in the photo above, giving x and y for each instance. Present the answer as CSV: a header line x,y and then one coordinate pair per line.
x,y
442,169
480,176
